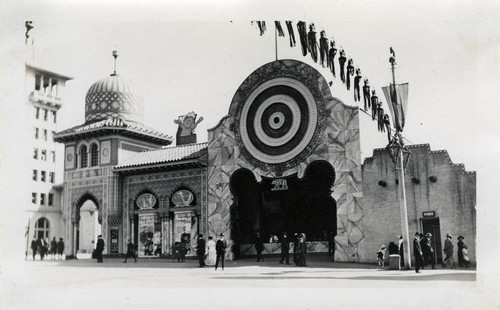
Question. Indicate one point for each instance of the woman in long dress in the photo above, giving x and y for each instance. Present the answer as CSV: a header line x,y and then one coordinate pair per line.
x,y
212,255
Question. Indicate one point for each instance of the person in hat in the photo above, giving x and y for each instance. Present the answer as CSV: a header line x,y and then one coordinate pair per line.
x,y
401,251
460,254
200,250
448,251
417,252
259,246
381,255
427,250
220,248
99,249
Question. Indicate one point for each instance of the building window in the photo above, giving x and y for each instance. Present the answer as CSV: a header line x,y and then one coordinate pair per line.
x,y
43,175
45,134
42,199
36,133
33,197
94,155
38,82
35,153
45,114
53,154
37,112
42,228
44,155
83,156
54,116
51,199
51,177
35,175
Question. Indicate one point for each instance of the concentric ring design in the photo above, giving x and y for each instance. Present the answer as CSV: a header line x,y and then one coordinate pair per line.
x,y
278,120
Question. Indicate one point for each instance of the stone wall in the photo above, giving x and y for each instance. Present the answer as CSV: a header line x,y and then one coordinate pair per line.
x,y
433,183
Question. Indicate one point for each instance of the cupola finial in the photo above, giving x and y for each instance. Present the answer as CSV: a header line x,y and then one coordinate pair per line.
x,y
115,55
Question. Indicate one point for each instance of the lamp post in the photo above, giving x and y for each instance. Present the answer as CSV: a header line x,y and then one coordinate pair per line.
x,y
397,97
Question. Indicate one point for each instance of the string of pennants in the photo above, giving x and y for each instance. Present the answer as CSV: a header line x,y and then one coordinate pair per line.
x,y
327,51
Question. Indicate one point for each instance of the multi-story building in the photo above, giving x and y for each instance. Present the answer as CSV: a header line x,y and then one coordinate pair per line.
x,y
44,91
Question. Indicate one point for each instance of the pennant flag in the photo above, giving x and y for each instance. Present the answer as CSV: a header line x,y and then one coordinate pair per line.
x,y
277,24
29,26
398,98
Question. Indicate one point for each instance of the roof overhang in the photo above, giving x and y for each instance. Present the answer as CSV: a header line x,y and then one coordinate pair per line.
x,y
110,130
157,167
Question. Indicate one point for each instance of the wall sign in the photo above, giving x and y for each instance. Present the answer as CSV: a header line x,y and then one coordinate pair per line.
x,y
182,198
279,185
146,201
429,214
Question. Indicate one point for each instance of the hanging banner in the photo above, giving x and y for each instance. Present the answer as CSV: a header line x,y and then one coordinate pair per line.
x,y
397,103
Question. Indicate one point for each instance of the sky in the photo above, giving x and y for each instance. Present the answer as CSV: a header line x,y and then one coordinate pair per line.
x,y
193,55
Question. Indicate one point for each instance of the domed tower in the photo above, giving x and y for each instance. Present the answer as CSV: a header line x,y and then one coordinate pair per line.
x,y
112,133
113,97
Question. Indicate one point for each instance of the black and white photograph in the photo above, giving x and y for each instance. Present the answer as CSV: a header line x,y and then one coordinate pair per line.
x,y
249,154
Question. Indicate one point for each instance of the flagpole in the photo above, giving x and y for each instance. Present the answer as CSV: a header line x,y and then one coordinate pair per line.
x,y
276,41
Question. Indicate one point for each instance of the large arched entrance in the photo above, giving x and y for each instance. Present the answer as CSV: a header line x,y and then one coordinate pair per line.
x,y
291,204
88,226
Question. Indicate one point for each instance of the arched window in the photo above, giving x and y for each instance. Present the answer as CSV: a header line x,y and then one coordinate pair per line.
x,y
83,157
42,228
94,155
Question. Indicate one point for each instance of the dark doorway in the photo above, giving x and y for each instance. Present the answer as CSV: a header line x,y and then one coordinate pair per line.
x,y
432,226
286,204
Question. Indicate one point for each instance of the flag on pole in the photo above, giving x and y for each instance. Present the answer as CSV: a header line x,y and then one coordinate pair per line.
x,y
398,98
29,26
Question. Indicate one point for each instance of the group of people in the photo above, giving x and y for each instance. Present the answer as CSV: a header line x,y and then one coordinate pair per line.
x,y
42,247
211,253
423,251
299,248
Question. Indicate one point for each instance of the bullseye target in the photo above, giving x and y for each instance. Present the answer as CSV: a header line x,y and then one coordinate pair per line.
x,y
278,120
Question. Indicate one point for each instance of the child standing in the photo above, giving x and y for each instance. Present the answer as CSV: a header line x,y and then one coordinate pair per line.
x,y
380,256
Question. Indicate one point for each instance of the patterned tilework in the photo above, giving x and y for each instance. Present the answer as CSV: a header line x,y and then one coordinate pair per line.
x,y
338,144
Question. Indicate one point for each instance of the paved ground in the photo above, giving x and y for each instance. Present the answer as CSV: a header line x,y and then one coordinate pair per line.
x,y
164,284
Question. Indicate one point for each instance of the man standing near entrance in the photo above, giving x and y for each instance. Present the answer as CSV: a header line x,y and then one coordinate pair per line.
x,y
220,248
200,250
99,249
285,249
427,250
417,252
448,251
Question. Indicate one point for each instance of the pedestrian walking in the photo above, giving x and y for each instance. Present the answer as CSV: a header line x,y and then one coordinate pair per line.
x,y
381,256
417,252
220,248
212,253
200,250
259,247
60,248
448,251
131,251
34,247
285,249
460,247
428,251
99,249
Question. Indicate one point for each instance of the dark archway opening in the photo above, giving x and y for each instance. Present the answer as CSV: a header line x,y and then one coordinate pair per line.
x,y
286,204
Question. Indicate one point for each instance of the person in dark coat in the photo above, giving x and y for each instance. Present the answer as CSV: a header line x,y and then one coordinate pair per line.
x,y
302,250
285,249
34,247
60,248
200,250
220,248
460,254
331,245
427,250
295,247
99,249
448,251
259,247
40,246
417,252
53,248
130,251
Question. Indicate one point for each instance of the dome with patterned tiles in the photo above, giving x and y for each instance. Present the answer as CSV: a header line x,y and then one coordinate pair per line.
x,y
112,97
